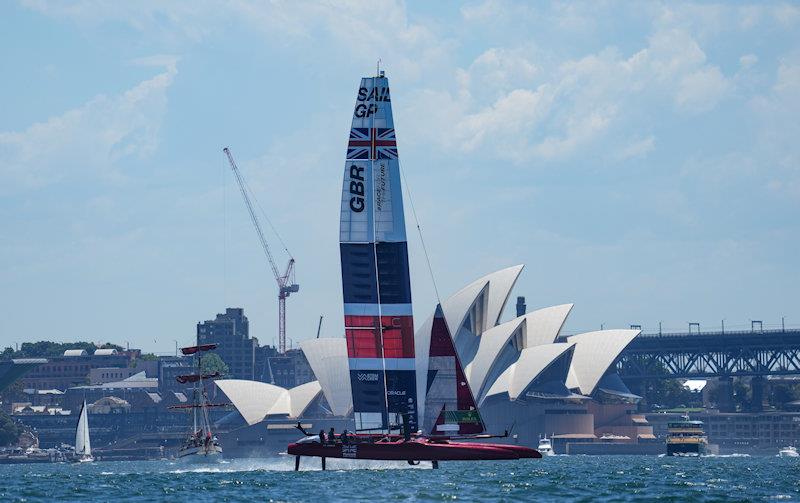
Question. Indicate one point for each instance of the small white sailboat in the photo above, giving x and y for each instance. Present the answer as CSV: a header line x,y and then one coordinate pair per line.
x,y
83,446
545,448
788,452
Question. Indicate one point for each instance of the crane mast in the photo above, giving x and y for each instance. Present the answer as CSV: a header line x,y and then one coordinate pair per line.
x,y
285,284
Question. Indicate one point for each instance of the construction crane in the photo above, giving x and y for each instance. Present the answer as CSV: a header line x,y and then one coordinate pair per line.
x,y
286,284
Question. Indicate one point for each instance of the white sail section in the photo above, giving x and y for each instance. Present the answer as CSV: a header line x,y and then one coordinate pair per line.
x,y
83,446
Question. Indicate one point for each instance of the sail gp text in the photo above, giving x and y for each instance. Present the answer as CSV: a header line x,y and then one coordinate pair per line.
x,y
364,110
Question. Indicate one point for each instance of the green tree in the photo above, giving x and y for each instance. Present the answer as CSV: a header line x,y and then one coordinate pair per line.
x,y
211,363
47,349
9,430
781,394
11,393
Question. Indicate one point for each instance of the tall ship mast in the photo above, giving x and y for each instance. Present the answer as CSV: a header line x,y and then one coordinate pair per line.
x,y
201,444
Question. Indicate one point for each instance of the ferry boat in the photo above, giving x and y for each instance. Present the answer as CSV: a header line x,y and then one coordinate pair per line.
x,y
545,447
686,438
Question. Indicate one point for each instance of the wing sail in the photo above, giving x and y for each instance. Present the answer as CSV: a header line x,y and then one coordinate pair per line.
x,y
379,326
450,407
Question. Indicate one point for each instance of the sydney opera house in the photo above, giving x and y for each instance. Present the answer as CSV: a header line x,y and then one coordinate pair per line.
x,y
526,376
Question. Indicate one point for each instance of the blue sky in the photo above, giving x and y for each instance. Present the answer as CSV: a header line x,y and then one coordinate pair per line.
x,y
642,159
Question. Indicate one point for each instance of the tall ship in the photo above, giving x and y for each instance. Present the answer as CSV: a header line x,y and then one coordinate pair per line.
x,y
83,445
391,420
201,444
686,438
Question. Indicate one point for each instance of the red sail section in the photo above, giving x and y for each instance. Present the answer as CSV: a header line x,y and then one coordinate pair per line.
x,y
190,350
450,406
190,378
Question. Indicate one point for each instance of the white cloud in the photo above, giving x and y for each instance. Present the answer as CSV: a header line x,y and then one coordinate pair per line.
x,y
637,148
367,30
778,111
523,107
748,60
701,90
88,140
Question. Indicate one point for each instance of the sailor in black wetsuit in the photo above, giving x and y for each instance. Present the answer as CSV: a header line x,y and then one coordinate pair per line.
x,y
332,436
322,437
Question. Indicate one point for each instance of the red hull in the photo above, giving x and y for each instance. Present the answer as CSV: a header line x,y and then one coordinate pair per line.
x,y
414,450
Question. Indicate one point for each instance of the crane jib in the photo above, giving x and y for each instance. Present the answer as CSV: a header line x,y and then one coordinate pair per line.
x,y
285,284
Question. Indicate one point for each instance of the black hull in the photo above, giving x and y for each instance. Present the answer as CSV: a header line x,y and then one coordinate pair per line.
x,y
686,449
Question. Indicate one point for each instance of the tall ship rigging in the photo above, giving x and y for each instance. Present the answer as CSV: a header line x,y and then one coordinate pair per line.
x,y
201,444
379,327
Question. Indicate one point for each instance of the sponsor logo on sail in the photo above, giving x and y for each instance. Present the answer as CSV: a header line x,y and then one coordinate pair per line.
x,y
357,188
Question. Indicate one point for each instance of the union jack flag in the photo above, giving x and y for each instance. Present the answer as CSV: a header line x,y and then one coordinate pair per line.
x,y
372,143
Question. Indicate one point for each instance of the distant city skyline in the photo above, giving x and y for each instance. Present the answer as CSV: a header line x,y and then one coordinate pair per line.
x,y
641,159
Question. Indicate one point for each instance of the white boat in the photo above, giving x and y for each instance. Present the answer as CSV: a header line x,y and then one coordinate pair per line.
x,y
83,446
545,448
788,452
199,452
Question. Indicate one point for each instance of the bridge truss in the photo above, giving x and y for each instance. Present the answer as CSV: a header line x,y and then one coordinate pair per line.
x,y
712,354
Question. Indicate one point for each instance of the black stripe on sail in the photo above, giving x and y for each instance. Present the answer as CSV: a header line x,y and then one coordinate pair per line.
x,y
358,273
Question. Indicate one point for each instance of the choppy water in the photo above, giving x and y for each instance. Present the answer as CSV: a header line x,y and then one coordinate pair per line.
x,y
570,478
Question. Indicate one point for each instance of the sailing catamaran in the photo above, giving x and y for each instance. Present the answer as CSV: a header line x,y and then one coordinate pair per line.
x,y
83,446
201,445
379,327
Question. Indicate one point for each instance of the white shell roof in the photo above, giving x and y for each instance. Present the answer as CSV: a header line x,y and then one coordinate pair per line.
x,y
328,360
543,325
499,285
595,352
256,400
538,327
490,346
300,397
532,362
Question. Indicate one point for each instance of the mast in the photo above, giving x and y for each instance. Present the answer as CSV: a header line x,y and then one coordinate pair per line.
x,y
200,397
376,287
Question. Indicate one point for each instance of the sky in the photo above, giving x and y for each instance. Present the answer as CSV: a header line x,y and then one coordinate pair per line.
x,y
641,159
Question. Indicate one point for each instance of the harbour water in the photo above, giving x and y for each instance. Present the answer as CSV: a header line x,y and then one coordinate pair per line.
x,y
564,478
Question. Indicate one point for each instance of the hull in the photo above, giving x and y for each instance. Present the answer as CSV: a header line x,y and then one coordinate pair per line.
x,y
414,450
200,454
686,449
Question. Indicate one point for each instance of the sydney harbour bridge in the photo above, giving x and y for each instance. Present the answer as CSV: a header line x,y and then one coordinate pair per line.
x,y
703,355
